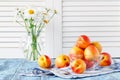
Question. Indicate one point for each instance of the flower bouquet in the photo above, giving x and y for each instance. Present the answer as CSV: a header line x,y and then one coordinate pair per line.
x,y
34,20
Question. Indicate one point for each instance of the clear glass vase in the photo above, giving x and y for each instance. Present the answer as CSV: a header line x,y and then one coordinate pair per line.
x,y
32,48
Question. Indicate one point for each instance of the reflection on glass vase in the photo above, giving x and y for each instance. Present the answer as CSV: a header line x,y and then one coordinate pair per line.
x,y
33,47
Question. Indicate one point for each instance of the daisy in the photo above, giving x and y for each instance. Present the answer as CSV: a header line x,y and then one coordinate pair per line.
x,y
30,13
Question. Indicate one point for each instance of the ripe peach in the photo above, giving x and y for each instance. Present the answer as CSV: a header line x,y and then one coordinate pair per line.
x,y
78,66
91,53
105,60
83,41
44,61
62,61
97,45
76,53
89,64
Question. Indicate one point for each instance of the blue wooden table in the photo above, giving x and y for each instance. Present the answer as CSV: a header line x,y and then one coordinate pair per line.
x,y
10,69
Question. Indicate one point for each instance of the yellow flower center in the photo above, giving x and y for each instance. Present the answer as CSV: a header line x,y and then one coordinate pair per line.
x,y
45,21
31,11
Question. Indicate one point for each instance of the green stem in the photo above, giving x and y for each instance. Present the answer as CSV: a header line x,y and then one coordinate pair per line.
x,y
40,29
25,24
34,45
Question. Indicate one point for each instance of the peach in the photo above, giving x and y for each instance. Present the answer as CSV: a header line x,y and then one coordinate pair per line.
x,y
91,53
62,61
76,53
89,64
78,66
83,41
44,61
105,60
97,45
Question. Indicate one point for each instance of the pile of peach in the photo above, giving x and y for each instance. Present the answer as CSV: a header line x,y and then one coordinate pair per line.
x,y
82,56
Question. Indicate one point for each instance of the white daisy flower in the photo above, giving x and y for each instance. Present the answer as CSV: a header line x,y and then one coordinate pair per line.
x,y
30,13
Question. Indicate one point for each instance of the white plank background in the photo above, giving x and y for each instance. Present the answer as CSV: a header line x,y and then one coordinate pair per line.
x,y
12,35
99,19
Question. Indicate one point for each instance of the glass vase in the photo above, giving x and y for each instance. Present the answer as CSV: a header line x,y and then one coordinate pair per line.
x,y
32,47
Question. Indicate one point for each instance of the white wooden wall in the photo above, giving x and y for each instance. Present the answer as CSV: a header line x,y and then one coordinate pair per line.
x,y
99,19
12,35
